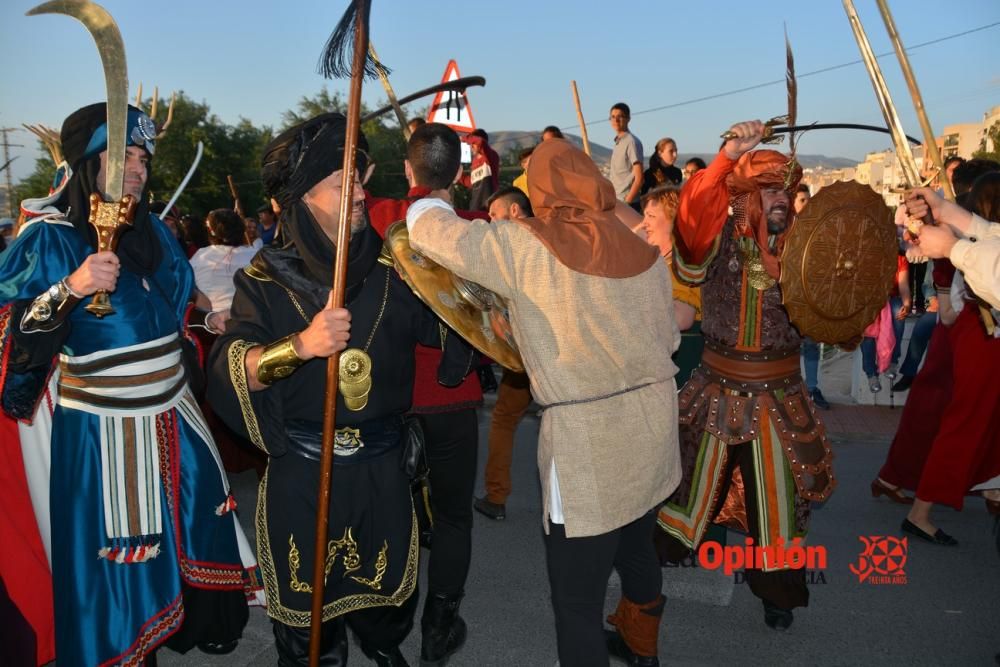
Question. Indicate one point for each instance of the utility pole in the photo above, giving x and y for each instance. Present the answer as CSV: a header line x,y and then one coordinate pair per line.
x,y
6,160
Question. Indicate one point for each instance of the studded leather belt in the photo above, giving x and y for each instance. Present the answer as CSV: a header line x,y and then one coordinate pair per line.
x,y
751,367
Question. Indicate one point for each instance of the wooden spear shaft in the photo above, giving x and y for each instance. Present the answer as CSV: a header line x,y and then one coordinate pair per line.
x,y
333,363
233,190
579,117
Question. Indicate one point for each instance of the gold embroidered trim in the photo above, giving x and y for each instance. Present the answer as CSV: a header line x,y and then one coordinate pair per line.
x,y
381,563
351,561
300,619
238,375
256,273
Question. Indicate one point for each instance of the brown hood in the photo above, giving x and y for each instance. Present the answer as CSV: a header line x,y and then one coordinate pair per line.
x,y
574,215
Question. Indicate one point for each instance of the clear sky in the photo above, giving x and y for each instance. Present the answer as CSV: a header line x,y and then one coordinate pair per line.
x,y
256,58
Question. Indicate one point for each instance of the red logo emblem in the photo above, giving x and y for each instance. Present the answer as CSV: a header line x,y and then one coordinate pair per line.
x,y
882,560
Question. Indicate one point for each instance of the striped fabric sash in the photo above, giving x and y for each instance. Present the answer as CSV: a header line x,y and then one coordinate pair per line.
x,y
126,388
130,477
137,380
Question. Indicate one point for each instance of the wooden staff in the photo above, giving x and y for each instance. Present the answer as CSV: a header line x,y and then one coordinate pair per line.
x,y
918,100
333,363
579,117
237,206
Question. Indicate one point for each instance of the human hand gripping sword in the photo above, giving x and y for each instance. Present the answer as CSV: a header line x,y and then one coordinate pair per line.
x,y
112,217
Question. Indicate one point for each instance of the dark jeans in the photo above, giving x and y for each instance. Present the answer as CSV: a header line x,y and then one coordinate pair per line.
x,y
919,338
869,362
917,274
579,568
452,447
810,358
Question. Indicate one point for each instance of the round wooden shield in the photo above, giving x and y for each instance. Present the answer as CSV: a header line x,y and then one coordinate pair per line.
x,y
839,262
478,315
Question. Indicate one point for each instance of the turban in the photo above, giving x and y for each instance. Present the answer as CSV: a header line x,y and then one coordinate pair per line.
x,y
303,155
755,171
85,132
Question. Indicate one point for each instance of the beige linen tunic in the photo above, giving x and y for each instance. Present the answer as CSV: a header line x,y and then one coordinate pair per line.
x,y
580,337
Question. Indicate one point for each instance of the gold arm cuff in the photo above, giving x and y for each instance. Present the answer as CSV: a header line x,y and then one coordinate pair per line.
x,y
278,361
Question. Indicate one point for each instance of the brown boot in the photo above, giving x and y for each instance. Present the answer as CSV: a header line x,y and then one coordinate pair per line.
x,y
637,629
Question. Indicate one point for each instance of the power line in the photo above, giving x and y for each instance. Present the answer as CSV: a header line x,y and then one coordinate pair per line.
x,y
800,76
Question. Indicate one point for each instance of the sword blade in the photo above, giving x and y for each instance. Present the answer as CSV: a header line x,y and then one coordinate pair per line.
x,y
903,153
112,51
457,85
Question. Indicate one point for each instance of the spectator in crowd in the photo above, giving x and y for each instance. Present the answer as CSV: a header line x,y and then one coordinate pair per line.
x,y
626,157
810,348
552,132
898,308
521,182
693,166
193,234
251,232
415,123
484,177
661,166
513,395
214,265
267,224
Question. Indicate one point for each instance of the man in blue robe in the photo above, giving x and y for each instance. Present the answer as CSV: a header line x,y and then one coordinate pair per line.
x,y
143,542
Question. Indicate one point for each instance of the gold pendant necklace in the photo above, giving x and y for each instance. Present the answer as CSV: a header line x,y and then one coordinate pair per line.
x,y
356,365
757,274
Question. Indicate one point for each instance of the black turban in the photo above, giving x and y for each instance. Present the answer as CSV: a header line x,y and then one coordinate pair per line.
x,y
303,155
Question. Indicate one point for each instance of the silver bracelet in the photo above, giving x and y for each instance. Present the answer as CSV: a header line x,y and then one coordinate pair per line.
x,y
48,310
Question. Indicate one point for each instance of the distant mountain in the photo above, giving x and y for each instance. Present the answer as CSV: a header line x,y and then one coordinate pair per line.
x,y
504,141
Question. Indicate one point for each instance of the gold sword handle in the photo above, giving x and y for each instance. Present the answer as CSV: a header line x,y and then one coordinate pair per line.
x,y
109,220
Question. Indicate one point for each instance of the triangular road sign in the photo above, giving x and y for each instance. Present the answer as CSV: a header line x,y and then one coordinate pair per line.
x,y
450,107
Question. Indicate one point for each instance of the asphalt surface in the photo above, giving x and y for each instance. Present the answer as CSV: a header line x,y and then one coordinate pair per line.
x,y
945,613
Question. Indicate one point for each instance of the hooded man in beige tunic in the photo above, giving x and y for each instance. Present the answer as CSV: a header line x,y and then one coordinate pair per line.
x,y
592,313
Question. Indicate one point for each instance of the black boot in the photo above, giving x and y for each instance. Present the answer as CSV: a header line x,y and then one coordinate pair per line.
x,y
777,618
391,658
442,628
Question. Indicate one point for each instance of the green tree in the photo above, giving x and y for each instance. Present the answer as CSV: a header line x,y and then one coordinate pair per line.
x,y
229,150
991,138
36,184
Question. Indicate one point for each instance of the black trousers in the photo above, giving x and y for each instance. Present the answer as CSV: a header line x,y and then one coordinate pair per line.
x,y
452,441
378,629
579,568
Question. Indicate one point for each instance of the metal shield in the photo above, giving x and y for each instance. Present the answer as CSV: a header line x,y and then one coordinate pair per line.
x,y
478,315
839,263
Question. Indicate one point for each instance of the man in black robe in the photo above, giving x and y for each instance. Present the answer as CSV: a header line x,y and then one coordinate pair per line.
x,y
268,379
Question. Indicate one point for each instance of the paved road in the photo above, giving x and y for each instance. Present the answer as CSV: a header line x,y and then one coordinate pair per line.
x,y
946,613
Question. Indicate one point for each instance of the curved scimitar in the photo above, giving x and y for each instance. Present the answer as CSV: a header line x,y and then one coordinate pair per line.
x,y
112,51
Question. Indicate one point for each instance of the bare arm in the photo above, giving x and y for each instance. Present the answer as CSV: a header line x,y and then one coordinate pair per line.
x,y
633,192
684,315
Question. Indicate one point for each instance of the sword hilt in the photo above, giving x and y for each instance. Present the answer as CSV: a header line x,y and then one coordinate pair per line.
x,y
769,135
